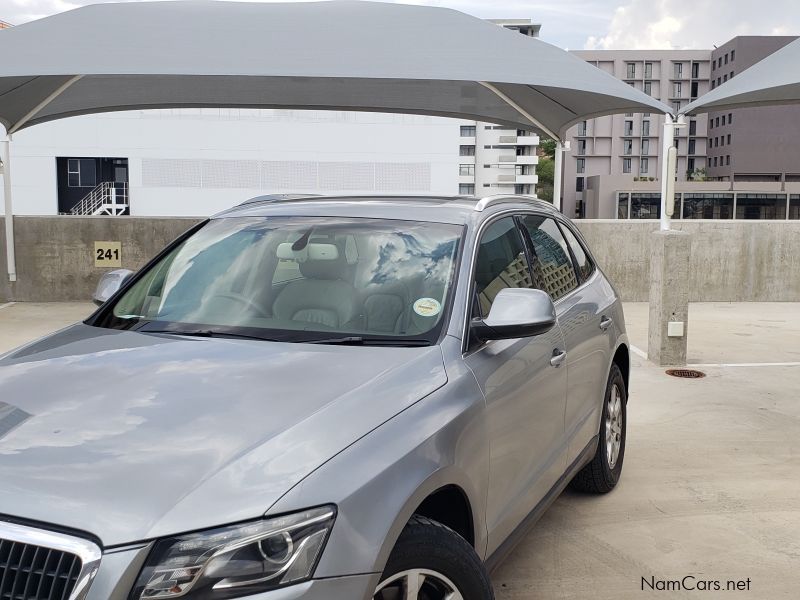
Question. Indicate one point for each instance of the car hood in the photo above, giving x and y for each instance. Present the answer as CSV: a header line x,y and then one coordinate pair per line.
x,y
133,436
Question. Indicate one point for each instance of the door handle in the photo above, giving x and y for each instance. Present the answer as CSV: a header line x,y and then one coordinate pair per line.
x,y
605,323
558,357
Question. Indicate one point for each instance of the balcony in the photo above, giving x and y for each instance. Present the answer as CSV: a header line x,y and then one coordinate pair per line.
x,y
532,179
506,178
508,158
527,140
531,159
508,139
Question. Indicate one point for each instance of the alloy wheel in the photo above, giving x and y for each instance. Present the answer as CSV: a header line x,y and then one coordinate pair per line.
x,y
613,426
417,584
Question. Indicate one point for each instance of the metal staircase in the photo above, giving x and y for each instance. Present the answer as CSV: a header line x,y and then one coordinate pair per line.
x,y
108,198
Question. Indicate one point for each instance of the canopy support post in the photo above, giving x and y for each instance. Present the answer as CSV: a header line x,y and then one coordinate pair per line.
x,y
520,110
558,167
11,259
666,177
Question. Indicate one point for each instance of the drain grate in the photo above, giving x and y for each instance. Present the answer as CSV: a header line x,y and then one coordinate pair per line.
x,y
686,373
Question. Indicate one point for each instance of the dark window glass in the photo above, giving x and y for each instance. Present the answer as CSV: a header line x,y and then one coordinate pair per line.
x,y
552,270
501,263
794,206
583,263
761,206
579,184
707,206
622,206
692,127
645,205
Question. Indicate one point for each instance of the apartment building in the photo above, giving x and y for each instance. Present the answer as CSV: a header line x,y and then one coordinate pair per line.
x,y
627,147
494,159
751,144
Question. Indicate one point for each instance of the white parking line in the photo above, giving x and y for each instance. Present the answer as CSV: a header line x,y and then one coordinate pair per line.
x,y
6,305
775,364
639,353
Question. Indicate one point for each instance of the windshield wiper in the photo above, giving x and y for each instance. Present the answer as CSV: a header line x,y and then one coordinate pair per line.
x,y
356,340
207,333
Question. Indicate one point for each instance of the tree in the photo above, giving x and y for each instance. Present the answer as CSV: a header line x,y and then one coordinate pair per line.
x,y
548,148
545,170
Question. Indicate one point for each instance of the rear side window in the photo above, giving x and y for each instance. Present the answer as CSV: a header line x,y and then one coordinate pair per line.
x,y
552,270
583,263
501,263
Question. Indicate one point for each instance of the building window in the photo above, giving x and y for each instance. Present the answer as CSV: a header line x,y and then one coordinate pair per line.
x,y
630,70
486,185
695,70
523,170
716,122
466,169
81,172
727,160
466,150
707,206
581,146
645,128
467,131
794,206
628,128
622,206
693,127
695,89
627,146
722,140
713,84
726,58
730,118
725,77
723,120
645,147
715,161
692,146
580,167
731,75
719,80
626,165
733,55
648,70
761,206
579,184
582,129
676,105
678,70
466,189
677,90
648,88
690,165
677,143
729,139
644,165
645,205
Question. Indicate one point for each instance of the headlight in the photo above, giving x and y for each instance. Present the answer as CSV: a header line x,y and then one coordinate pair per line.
x,y
238,560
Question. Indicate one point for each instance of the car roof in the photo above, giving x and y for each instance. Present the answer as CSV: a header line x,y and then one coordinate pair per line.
x,y
443,209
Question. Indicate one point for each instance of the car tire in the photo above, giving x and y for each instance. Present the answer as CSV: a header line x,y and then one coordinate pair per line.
x,y
436,561
602,474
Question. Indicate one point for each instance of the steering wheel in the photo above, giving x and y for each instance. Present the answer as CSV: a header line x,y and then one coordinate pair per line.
x,y
243,300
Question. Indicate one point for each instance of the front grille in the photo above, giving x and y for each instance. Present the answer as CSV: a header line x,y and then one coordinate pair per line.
x,y
30,572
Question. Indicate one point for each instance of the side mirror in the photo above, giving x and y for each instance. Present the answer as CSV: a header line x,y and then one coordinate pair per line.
x,y
109,284
516,313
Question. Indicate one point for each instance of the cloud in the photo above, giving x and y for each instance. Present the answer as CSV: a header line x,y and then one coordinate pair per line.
x,y
685,24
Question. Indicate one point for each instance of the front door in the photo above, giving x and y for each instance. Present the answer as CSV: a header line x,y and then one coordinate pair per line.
x,y
525,394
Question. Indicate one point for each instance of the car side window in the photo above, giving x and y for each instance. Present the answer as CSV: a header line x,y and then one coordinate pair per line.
x,y
552,270
583,263
501,263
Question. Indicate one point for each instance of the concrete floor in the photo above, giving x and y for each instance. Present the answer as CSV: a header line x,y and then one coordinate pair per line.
x,y
711,486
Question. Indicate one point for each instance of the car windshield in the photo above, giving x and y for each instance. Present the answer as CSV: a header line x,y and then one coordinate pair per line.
x,y
329,280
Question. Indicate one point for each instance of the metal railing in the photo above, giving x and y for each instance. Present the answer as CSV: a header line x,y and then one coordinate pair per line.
x,y
108,198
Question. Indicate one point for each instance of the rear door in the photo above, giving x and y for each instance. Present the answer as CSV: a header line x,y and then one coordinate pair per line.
x,y
583,301
525,394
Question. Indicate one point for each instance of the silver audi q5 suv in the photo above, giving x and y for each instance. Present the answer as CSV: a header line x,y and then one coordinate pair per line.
x,y
317,398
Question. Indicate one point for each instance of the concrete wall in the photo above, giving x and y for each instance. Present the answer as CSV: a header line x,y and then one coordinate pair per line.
x,y
55,255
731,260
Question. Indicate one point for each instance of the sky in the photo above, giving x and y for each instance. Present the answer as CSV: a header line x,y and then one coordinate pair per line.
x,y
582,24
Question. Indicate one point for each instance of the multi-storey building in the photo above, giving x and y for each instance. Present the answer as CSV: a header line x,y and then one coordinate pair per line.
x,y
494,159
628,147
751,144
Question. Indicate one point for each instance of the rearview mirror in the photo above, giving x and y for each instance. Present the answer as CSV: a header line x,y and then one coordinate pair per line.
x,y
516,313
109,284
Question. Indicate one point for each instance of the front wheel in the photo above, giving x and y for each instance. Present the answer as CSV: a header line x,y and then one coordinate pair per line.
x,y
601,475
432,562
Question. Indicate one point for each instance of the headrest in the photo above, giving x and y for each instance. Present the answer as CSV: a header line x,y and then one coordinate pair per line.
x,y
311,251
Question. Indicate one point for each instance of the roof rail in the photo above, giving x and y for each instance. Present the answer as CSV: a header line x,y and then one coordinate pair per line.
x,y
277,198
488,201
